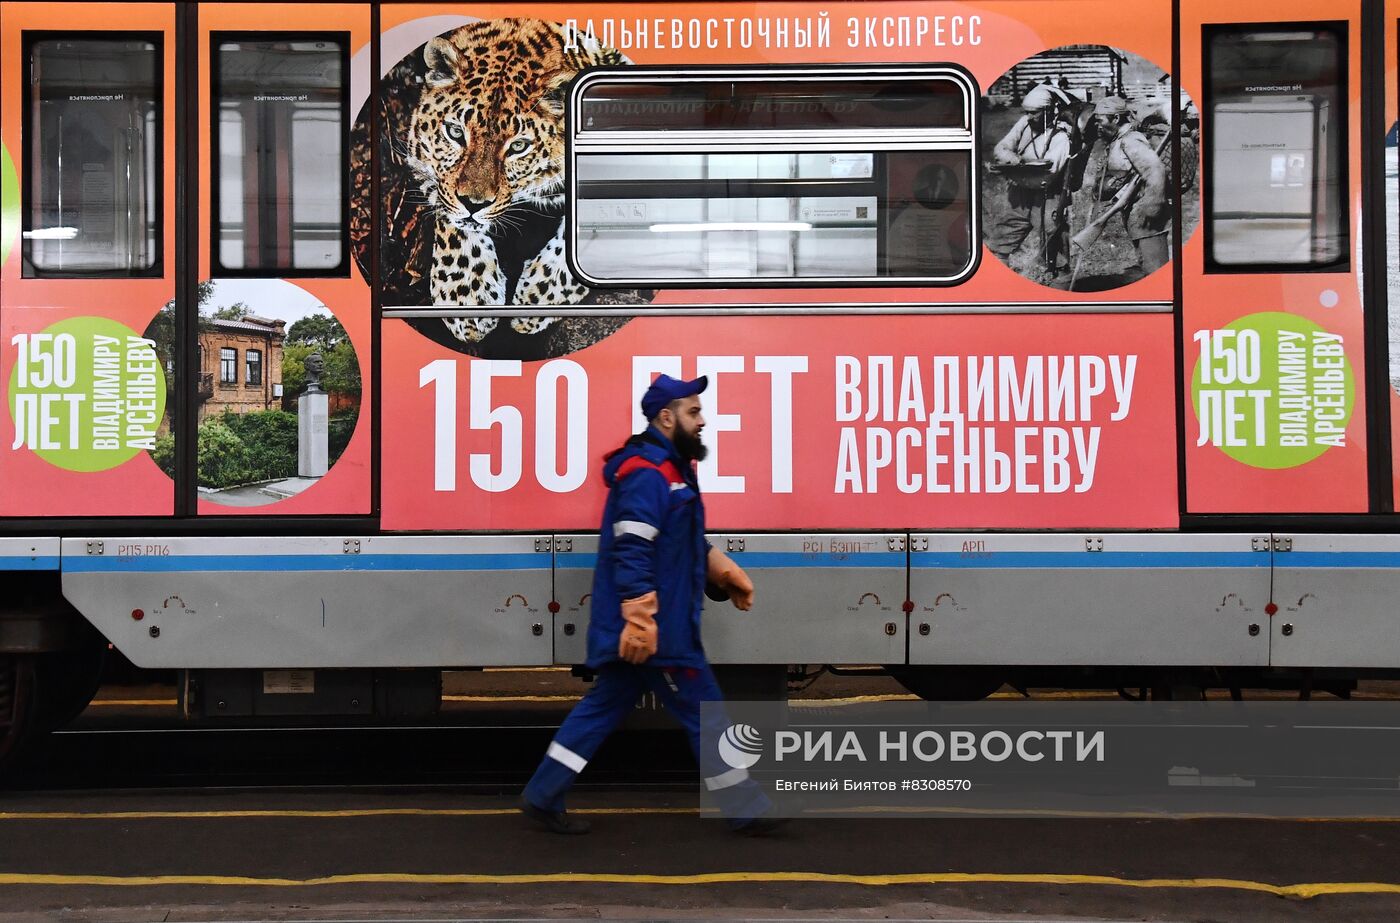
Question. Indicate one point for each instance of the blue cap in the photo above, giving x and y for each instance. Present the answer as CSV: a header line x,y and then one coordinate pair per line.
x,y
667,389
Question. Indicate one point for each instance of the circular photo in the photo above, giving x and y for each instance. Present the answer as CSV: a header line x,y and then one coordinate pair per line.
x,y
278,391
1077,185
472,188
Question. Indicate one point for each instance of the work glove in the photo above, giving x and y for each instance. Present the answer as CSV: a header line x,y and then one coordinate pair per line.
x,y
721,571
638,639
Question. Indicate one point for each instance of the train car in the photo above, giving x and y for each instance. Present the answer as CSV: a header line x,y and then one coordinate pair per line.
x,y
1047,344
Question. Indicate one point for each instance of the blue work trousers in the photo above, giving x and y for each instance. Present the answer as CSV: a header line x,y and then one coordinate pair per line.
x,y
615,692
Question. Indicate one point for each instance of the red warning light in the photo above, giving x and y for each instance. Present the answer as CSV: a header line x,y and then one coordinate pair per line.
x,y
1270,609
554,605
138,614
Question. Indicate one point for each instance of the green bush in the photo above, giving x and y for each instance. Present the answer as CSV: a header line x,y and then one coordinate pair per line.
x,y
342,427
270,442
164,454
222,456
241,448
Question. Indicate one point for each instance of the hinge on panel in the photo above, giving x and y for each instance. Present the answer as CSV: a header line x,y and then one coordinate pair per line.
x,y
350,546
544,544
920,544
1093,543
1259,543
895,543
568,544
94,547
1283,543
734,544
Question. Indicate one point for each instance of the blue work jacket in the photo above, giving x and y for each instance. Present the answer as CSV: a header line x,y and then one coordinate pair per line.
x,y
652,538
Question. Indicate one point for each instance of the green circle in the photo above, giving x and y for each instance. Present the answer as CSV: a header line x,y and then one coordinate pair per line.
x,y
1301,378
9,204
86,394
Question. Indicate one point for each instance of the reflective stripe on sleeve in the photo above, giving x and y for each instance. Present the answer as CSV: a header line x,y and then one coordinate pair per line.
x,y
632,527
727,779
566,756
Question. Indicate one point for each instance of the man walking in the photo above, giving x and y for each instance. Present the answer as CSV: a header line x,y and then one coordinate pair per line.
x,y
1034,197
644,628
1147,218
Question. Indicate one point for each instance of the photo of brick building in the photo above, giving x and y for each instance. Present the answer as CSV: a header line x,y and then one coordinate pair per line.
x,y
240,365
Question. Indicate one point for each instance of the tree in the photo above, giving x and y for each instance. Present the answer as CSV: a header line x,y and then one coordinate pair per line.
x,y
320,330
236,311
342,374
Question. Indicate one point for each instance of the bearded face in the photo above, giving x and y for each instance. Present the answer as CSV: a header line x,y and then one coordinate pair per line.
x,y
688,442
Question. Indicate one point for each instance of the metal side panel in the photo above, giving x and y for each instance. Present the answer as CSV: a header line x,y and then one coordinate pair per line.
x,y
397,601
1121,599
818,599
29,554
1338,599
574,557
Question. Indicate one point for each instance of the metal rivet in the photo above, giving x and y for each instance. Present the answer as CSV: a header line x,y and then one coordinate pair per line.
x,y
924,628
1253,630
537,629
155,631
1287,629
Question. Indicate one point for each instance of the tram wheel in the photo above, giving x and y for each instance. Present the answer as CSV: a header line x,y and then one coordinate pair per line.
x,y
949,684
68,679
17,705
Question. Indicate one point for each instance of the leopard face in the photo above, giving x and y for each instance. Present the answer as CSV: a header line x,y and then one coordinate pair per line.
x,y
486,140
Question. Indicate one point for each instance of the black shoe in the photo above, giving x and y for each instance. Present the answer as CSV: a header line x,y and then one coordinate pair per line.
x,y
554,821
761,826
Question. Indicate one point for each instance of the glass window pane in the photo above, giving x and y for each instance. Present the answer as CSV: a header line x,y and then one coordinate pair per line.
x,y
1276,184
842,216
803,178
791,105
281,155
254,361
228,366
93,191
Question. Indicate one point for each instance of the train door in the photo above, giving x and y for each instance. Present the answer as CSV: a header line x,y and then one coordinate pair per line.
x,y
1272,301
88,140
281,389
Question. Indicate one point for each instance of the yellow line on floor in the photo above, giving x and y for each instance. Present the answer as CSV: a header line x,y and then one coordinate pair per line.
x,y
569,697
135,703
1302,890
349,812
563,697
833,813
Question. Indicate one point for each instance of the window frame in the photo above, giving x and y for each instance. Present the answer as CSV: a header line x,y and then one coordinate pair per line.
x,y
339,38
248,366
1343,262
955,73
28,39
233,360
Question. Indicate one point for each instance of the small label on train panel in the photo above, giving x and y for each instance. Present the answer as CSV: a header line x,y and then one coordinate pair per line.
x,y
289,682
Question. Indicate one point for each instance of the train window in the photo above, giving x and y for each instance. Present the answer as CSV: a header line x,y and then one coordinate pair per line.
x,y
1276,150
281,171
92,174
798,177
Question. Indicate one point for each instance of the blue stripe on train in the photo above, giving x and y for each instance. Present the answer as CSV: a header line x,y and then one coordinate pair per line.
x,y
39,562
1090,560
752,559
305,562
1008,560
1339,559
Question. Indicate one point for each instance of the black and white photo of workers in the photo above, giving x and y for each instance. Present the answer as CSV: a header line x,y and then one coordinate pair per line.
x,y
1078,192
1032,157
